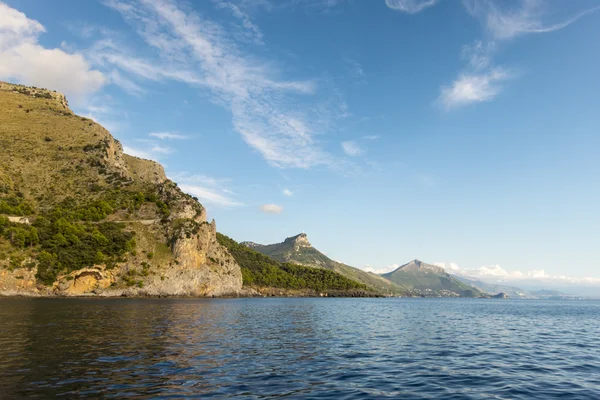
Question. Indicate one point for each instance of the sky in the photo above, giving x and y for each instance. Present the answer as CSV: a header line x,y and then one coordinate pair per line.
x,y
462,133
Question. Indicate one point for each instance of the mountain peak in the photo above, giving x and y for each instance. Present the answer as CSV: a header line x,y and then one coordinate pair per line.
x,y
300,240
420,265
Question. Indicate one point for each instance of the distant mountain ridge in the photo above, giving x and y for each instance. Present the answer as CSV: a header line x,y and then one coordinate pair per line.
x,y
297,249
491,288
430,280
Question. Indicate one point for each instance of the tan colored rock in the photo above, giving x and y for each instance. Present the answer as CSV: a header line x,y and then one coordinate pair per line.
x,y
84,281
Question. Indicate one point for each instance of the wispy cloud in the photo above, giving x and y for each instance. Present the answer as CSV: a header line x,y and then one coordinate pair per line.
x,y
410,6
473,88
503,22
25,60
271,209
168,135
288,192
209,190
137,152
352,148
210,196
372,137
250,32
266,110
152,149
481,81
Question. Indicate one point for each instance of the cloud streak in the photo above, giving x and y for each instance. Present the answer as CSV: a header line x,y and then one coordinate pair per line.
x,y
168,136
504,23
209,190
265,108
410,6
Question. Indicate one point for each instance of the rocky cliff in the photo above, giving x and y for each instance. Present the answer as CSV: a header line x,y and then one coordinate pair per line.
x,y
99,222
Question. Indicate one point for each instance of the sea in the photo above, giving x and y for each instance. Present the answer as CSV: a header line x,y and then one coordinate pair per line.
x,y
263,348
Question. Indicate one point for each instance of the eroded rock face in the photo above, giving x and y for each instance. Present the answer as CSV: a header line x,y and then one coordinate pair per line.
x,y
208,266
19,282
84,281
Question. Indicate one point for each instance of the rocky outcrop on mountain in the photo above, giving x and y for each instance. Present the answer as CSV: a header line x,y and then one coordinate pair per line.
x,y
430,280
297,249
102,222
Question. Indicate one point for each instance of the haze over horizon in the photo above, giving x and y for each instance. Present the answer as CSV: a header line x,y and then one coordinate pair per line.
x,y
464,134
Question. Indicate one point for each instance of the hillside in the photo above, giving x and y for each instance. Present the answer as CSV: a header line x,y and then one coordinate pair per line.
x,y
430,280
80,217
267,275
298,250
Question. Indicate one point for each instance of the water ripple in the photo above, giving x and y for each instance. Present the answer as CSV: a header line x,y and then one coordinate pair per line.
x,y
299,348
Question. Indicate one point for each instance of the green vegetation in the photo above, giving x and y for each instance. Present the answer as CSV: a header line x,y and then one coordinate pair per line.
x,y
15,205
66,240
259,270
69,236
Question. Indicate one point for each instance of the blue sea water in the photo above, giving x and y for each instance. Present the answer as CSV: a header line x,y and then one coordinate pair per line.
x,y
300,348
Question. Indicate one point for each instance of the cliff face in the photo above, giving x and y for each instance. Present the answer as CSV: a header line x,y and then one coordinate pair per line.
x,y
71,180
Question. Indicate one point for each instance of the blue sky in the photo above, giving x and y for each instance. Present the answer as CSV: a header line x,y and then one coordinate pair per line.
x,y
461,133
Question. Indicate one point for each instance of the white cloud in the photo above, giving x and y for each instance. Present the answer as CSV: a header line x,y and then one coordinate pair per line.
x,y
351,148
529,16
161,149
372,137
137,152
410,6
209,195
473,88
271,209
502,21
288,192
167,135
202,53
209,190
495,273
381,270
251,32
25,61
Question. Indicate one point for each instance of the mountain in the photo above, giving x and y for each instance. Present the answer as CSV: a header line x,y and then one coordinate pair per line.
x,y
268,276
298,250
430,280
80,217
492,289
